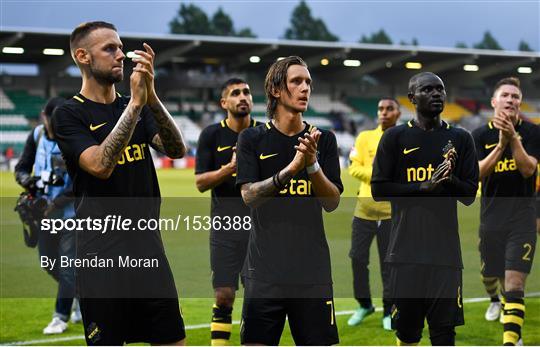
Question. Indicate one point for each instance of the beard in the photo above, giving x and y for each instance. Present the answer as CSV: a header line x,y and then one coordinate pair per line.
x,y
237,113
240,114
105,77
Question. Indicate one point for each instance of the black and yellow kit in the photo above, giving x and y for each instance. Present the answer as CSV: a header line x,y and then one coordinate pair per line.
x,y
132,191
425,225
508,212
424,241
227,247
287,245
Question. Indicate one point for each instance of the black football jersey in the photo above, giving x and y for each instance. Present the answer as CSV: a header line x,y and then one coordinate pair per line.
x,y
424,225
287,244
132,191
215,150
507,197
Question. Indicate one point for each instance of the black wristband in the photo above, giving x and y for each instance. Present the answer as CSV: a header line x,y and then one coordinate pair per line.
x,y
277,183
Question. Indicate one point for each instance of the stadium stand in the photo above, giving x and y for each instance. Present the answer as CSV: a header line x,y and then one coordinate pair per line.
x,y
367,106
5,101
25,103
321,103
14,125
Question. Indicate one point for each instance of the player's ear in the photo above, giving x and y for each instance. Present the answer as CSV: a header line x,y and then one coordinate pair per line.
x,y
223,103
82,56
493,102
276,93
411,98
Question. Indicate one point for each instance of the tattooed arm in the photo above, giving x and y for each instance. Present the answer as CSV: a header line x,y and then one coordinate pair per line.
x,y
101,160
169,139
254,194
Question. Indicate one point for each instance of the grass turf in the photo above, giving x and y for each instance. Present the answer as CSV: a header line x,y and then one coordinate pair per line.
x,y
26,290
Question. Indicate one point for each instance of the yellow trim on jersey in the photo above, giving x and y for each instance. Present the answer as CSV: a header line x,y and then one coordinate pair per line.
x,y
222,123
226,327
409,123
362,155
490,124
118,94
268,125
254,122
78,99
310,128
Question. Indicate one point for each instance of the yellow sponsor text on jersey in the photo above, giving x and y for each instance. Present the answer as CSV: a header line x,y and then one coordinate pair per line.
x,y
419,174
96,127
221,149
132,153
505,165
297,187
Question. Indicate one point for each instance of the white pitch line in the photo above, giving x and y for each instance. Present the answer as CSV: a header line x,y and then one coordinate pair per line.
x,y
203,326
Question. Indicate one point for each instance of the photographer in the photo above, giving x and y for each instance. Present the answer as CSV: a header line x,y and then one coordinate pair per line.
x,y
42,172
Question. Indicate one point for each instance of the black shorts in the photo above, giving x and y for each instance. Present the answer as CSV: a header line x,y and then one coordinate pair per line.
x,y
227,256
119,282
510,249
422,292
114,322
312,320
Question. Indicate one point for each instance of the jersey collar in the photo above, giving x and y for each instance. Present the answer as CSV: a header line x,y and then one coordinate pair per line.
x,y
224,124
444,125
82,99
491,126
307,128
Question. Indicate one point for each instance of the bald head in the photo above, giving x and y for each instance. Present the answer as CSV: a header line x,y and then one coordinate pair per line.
x,y
413,82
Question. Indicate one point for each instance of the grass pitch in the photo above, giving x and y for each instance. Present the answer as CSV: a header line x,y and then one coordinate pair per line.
x,y
26,292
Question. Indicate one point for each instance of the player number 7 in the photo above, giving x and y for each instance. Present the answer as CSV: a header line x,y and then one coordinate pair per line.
x,y
331,303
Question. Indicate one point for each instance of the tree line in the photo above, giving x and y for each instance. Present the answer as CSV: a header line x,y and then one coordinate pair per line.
x,y
191,19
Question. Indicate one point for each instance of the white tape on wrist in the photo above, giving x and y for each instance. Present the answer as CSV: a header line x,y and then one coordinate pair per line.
x,y
313,168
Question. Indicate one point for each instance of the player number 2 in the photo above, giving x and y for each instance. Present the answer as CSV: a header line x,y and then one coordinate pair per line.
x,y
331,303
528,247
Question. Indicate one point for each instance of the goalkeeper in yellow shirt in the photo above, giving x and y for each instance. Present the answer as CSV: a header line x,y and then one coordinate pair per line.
x,y
371,218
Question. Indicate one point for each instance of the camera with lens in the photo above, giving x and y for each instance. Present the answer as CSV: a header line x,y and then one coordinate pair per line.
x,y
31,208
56,178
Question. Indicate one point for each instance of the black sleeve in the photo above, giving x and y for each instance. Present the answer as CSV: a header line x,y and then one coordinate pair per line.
x,y
383,185
247,166
533,146
204,160
464,182
26,162
477,136
150,126
72,135
330,164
